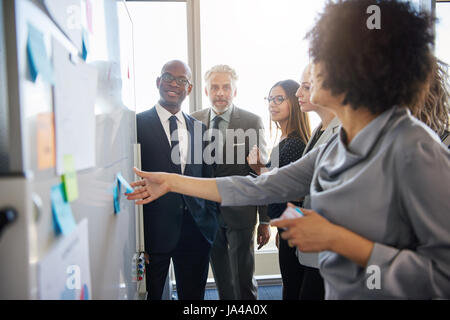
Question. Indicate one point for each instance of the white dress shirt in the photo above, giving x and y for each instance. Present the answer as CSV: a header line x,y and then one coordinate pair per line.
x,y
164,116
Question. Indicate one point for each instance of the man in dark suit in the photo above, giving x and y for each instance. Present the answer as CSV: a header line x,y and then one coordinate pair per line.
x,y
176,227
233,253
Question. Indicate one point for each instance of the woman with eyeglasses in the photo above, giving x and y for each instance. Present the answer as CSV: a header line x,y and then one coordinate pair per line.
x,y
295,131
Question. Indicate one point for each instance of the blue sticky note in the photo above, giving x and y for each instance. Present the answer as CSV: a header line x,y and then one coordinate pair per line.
x,y
125,183
38,59
116,195
85,48
62,213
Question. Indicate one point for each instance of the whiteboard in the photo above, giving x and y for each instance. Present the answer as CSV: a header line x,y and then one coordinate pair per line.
x,y
111,237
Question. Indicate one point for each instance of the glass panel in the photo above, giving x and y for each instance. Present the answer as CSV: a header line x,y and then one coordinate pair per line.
x,y
262,40
160,35
442,28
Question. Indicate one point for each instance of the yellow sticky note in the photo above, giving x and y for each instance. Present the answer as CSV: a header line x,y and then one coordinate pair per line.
x,y
69,179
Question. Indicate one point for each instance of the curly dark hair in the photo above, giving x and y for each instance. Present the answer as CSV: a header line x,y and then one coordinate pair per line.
x,y
373,68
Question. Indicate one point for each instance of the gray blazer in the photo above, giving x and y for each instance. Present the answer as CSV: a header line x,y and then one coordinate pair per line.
x,y
243,216
312,259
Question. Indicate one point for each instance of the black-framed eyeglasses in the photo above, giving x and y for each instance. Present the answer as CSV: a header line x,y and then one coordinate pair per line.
x,y
181,81
277,100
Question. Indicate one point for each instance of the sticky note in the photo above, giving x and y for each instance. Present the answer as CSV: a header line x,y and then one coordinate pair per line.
x,y
69,179
63,219
45,141
124,182
116,195
89,16
85,48
39,61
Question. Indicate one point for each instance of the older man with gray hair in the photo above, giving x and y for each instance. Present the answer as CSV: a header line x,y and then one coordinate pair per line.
x,y
233,253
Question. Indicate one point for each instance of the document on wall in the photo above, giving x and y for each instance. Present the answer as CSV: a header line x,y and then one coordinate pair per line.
x,y
45,143
74,97
64,273
68,15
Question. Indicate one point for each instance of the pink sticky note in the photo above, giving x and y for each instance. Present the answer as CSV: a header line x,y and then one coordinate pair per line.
x,y
89,15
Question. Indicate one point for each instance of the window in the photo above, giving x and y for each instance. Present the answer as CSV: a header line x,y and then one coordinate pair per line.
x,y
442,28
160,31
263,40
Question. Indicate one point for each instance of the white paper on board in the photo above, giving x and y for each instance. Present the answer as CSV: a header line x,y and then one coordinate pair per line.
x,y
64,273
68,15
74,96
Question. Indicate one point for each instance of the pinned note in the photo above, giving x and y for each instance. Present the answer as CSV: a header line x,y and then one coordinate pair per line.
x,y
85,49
116,196
63,219
45,140
74,97
89,16
69,179
124,182
118,182
38,60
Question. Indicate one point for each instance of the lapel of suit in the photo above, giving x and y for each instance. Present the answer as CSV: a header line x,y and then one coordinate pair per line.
x,y
329,131
235,122
206,117
310,140
190,153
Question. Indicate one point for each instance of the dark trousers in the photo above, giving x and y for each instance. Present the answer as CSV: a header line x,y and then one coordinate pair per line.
x,y
190,259
299,282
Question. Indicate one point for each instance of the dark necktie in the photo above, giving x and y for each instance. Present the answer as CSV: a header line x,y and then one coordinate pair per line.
x,y
216,121
174,142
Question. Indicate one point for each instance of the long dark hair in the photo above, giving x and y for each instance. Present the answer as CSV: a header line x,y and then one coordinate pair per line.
x,y
298,122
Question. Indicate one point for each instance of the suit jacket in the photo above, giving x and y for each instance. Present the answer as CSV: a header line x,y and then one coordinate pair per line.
x,y
311,259
330,131
163,217
242,216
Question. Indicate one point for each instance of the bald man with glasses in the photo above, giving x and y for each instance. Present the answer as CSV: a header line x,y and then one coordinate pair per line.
x,y
176,227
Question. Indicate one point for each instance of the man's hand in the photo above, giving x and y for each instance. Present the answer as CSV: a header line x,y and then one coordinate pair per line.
x,y
151,187
263,235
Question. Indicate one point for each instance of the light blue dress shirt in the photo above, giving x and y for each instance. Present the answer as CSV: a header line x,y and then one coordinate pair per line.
x,y
391,185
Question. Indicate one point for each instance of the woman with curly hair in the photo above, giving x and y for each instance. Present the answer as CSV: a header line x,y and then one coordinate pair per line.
x,y
379,188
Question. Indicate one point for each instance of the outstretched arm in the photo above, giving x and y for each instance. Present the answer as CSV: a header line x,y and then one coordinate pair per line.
x,y
286,184
156,184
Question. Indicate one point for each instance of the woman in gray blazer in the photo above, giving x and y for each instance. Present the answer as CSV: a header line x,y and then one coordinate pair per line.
x,y
379,188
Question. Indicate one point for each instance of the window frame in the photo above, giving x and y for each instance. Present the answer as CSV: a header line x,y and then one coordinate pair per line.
x,y
194,49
